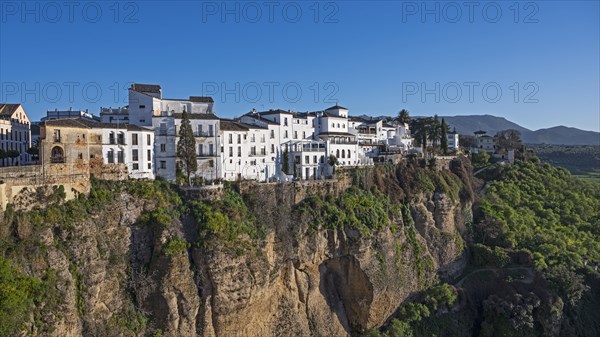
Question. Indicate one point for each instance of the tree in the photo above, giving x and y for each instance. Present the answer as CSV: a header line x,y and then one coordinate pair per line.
x,y
444,137
332,161
435,131
403,116
186,148
508,140
286,161
480,159
420,129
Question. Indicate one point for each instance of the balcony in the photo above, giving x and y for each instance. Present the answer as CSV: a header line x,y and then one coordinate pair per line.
x,y
206,155
202,134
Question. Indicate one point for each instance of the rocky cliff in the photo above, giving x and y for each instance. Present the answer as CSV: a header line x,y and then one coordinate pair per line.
x,y
139,259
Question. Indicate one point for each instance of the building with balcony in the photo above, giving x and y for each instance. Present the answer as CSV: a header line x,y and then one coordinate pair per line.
x,y
81,146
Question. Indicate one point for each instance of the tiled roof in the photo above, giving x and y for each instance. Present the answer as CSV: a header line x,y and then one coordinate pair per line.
x,y
153,88
262,119
8,109
329,114
196,116
87,124
201,99
336,107
229,125
275,111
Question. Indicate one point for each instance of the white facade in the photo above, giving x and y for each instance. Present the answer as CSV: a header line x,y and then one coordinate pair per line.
x,y
208,145
114,116
129,145
452,141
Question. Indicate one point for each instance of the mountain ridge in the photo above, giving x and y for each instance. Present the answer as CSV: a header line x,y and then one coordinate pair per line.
x,y
556,135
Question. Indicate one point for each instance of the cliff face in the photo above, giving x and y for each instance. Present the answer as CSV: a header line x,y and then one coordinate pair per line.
x,y
121,273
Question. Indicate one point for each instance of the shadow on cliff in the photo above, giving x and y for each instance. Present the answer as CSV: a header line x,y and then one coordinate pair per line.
x,y
347,290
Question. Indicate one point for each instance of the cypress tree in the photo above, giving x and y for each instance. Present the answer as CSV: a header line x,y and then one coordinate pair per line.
x,y
186,148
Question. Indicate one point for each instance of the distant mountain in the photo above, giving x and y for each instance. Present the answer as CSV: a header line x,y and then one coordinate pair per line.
x,y
559,135
562,135
467,125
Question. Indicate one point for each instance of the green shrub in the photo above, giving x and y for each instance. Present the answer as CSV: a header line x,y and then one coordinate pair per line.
x,y
486,256
176,246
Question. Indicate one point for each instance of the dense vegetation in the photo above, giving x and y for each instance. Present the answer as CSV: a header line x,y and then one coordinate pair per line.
x,y
581,160
535,247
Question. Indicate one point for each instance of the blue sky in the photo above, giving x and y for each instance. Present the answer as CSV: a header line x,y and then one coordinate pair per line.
x,y
535,63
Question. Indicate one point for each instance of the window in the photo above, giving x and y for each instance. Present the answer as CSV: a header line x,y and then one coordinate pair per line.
x,y
272,134
121,157
110,156
149,155
149,166
162,129
142,107
200,130
263,150
239,151
163,147
148,140
211,150
56,136
80,155
272,148
163,164
134,139
295,134
306,159
285,135
239,139
315,159
253,151
285,122
200,150
134,155
230,138
136,166
231,151
303,134
111,138
210,130
121,138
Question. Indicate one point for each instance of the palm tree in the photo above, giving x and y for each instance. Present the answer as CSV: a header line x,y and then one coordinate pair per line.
x,y
403,116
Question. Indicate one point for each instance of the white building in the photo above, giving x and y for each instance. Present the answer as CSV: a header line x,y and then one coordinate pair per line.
x,y
130,145
484,142
115,116
208,144
146,101
452,141
15,135
306,159
248,151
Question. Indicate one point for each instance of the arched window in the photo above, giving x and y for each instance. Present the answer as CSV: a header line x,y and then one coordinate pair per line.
x,y
343,154
349,154
57,155
337,153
